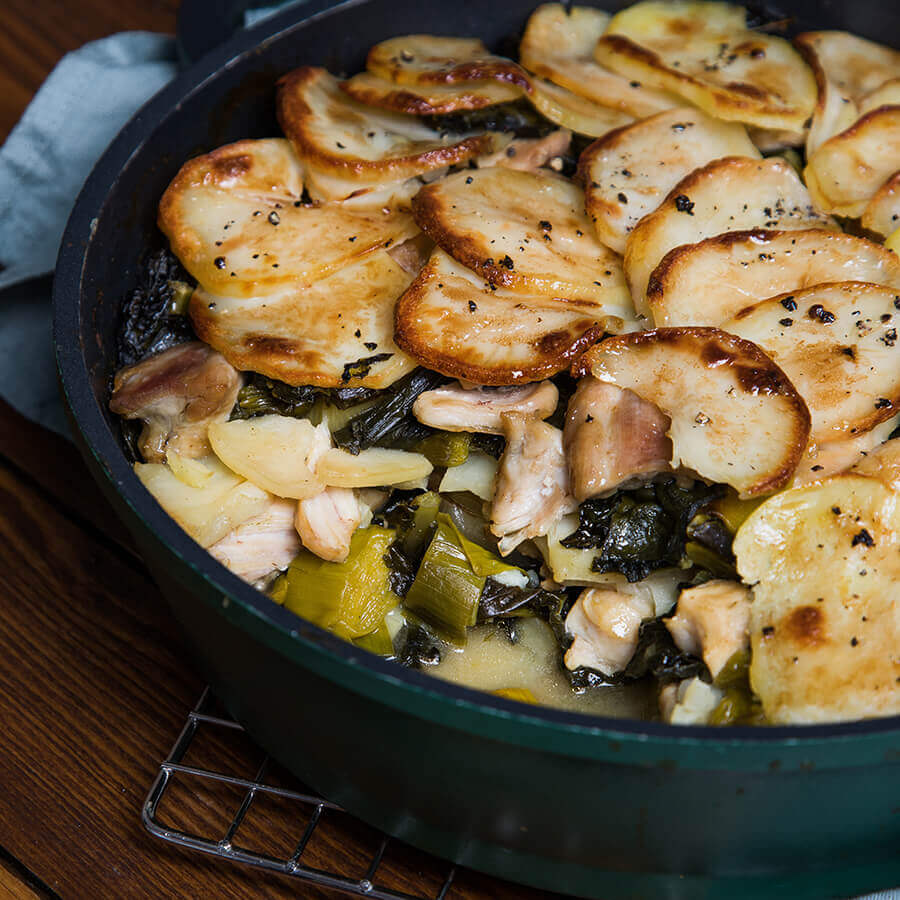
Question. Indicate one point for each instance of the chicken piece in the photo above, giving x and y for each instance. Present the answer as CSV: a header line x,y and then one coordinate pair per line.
x,y
457,408
532,491
177,393
606,624
529,154
262,545
613,439
327,521
712,621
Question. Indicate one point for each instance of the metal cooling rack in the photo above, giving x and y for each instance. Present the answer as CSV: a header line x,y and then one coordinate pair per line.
x,y
227,845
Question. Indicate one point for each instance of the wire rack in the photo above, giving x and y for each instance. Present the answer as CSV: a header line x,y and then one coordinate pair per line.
x,y
304,809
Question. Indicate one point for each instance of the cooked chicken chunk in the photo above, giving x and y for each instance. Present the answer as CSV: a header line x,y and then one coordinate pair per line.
x,y
456,408
712,621
327,521
605,623
262,545
177,394
533,482
613,439
528,154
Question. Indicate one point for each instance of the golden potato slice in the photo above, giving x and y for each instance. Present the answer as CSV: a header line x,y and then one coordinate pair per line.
x,y
886,95
332,332
360,193
558,45
838,345
451,321
882,213
703,51
845,173
525,231
731,194
428,99
736,418
424,59
573,111
825,622
337,134
711,281
883,464
629,172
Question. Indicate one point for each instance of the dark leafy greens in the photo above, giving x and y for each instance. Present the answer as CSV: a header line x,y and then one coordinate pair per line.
x,y
262,396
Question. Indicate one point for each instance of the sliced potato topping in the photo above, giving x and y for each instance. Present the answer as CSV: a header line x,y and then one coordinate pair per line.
x,y
882,213
335,332
845,173
838,345
525,231
337,134
711,281
451,321
886,95
704,52
375,193
558,45
825,623
882,463
573,111
628,173
721,393
728,194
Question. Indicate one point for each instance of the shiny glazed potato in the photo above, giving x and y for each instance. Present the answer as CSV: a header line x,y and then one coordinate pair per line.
x,y
572,111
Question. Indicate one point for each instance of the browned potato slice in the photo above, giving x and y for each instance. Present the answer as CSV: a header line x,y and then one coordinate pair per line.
x,y
703,52
883,464
845,173
428,99
525,231
337,134
628,173
886,95
711,281
736,418
730,194
333,332
428,59
558,45
573,111
450,320
838,345
825,624
882,213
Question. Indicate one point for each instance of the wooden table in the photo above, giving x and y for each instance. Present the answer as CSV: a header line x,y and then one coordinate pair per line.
x,y
95,682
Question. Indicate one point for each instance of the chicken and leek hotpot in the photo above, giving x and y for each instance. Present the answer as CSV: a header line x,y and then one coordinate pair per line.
x,y
572,378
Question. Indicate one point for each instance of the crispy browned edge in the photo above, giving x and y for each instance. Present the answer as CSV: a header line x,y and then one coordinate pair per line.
x,y
805,44
862,123
431,356
889,188
877,416
700,335
406,100
294,113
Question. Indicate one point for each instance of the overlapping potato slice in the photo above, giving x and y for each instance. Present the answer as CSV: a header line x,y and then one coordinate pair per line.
x,y
730,194
334,331
526,231
558,45
838,345
708,282
629,172
825,622
736,418
337,134
846,68
703,51
845,173
452,321
425,59
360,193
886,95
573,111
882,213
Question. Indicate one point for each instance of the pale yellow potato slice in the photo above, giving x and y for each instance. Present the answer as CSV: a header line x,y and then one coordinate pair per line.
x,y
629,172
234,219
883,464
337,134
313,333
838,345
559,45
371,468
736,419
845,173
730,194
702,51
573,111
709,282
451,321
361,193
525,231
882,213
886,95
824,562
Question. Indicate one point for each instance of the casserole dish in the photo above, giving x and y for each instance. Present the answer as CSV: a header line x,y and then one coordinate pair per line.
x,y
583,805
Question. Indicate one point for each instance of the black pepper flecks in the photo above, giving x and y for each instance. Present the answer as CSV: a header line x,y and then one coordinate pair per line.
x,y
507,262
789,303
622,198
817,311
545,225
219,262
472,306
863,537
882,403
274,218
786,322
684,204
